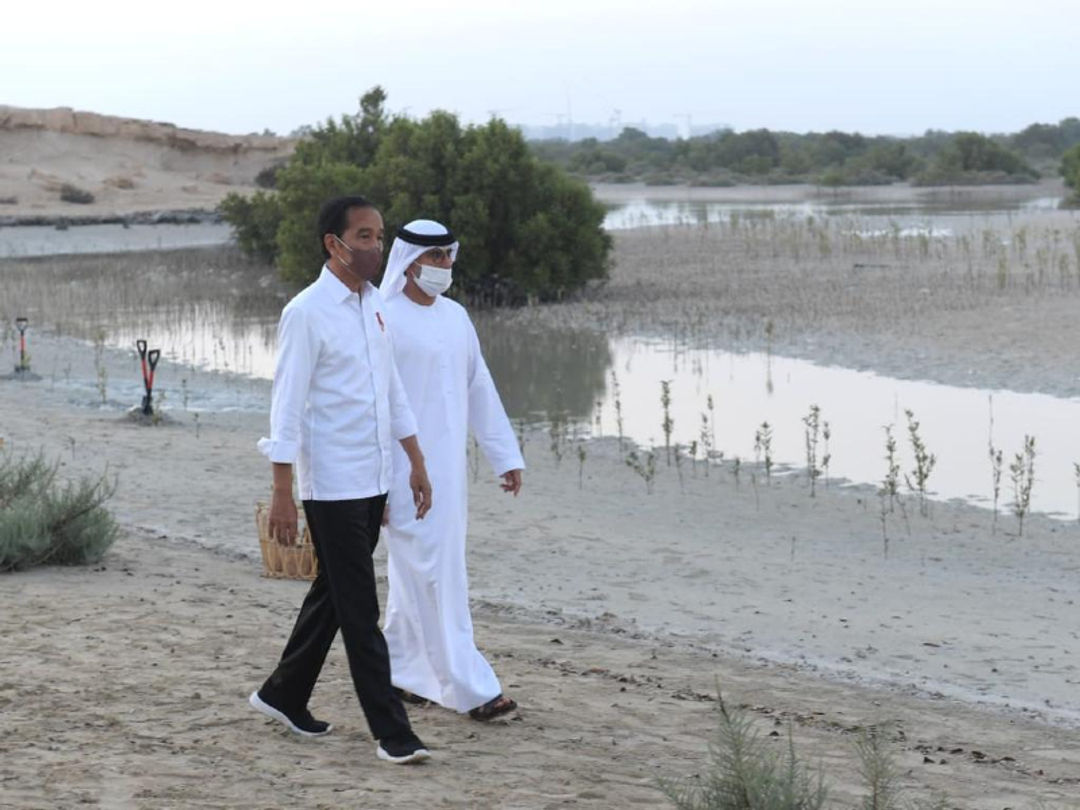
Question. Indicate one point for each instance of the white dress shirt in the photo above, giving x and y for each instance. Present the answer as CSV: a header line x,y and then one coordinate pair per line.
x,y
337,401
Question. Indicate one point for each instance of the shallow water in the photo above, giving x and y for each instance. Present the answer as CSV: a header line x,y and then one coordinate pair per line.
x,y
569,377
910,217
748,389
22,241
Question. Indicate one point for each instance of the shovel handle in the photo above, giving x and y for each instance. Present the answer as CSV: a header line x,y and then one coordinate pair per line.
x,y
152,356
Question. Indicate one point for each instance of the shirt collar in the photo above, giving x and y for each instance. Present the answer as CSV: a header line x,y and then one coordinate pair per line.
x,y
335,287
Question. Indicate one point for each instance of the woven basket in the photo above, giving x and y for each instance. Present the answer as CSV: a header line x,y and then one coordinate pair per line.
x,y
297,561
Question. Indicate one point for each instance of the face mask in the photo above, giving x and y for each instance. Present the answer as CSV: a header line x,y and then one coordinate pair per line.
x,y
363,265
433,280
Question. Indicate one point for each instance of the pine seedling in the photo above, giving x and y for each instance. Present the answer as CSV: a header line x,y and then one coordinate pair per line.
x,y
736,466
812,432
644,466
1022,471
678,465
668,424
184,392
693,457
924,463
890,486
763,447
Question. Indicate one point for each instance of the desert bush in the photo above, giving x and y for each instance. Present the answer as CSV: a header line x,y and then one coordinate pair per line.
x,y
74,194
749,772
746,772
45,522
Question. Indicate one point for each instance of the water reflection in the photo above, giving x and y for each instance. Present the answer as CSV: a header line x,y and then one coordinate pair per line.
x,y
749,389
541,374
915,215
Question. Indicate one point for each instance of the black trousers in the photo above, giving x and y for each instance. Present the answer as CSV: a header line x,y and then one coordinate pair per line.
x,y
342,596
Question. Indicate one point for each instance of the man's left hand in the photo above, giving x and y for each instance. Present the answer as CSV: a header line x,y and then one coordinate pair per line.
x,y
421,491
511,482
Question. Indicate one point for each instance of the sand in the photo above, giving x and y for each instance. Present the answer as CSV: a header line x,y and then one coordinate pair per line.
x,y
610,613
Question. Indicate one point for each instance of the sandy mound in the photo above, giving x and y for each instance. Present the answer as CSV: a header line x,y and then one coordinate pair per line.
x,y
126,164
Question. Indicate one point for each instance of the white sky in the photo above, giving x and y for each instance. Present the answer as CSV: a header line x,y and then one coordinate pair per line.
x,y
876,66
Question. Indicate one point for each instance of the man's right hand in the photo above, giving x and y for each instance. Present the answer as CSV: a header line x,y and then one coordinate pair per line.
x,y
282,517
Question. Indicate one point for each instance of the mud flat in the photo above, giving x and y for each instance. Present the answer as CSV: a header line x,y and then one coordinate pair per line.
x,y
610,613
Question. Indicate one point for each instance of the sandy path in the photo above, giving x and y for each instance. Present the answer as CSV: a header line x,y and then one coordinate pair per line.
x,y
124,686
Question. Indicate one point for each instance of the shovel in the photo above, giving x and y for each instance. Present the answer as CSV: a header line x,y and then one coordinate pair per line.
x,y
21,324
149,364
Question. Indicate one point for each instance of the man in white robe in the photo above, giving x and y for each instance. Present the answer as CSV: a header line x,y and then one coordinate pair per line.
x,y
428,626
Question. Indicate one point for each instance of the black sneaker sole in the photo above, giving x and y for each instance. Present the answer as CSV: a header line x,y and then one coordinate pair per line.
x,y
259,704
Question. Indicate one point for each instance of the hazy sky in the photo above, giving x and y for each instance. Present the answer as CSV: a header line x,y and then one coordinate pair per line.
x,y
876,67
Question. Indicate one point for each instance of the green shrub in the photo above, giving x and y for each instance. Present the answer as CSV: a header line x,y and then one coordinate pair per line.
x,y
528,230
74,194
1070,170
747,772
255,222
44,522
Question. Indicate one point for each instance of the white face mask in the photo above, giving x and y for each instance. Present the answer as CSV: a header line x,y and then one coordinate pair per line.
x,y
433,280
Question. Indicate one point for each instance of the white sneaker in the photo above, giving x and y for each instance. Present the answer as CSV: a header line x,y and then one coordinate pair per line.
x,y
301,723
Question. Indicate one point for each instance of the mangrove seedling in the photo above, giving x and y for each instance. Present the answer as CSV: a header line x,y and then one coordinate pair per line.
x,y
644,466
924,462
1022,470
812,432
618,408
890,486
668,424
763,447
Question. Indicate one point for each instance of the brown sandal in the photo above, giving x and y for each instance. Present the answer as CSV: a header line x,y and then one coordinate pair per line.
x,y
497,706
411,698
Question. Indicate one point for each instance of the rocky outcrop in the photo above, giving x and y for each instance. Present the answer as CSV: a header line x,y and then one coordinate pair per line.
x,y
72,122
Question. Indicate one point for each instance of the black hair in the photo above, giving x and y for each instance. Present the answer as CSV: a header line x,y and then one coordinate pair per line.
x,y
334,216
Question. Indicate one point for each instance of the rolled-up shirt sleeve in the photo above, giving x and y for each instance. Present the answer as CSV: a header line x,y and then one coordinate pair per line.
x,y
298,352
402,421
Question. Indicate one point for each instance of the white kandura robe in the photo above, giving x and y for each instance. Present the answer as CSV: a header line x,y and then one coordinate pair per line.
x,y
428,626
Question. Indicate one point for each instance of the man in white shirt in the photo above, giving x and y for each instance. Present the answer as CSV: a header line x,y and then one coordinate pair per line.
x,y
428,626
336,406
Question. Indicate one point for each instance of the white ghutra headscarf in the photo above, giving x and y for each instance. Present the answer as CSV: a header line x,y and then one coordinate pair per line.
x,y
412,242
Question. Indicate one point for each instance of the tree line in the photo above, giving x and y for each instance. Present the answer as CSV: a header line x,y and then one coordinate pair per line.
x,y
727,157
